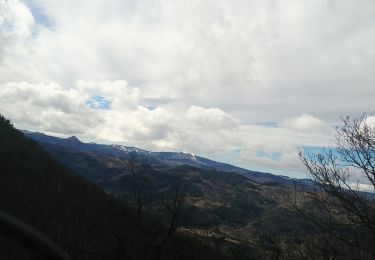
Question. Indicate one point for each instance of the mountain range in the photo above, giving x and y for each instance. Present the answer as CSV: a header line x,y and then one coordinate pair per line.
x,y
100,201
157,158
86,198
226,207
41,198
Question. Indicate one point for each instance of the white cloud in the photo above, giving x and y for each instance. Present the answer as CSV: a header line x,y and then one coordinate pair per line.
x,y
118,93
210,131
189,75
261,60
16,20
211,119
306,123
370,122
48,107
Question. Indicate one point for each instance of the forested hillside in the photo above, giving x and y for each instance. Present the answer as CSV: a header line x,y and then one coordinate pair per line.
x,y
96,206
80,217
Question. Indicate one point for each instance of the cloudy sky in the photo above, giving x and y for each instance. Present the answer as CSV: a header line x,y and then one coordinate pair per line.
x,y
248,82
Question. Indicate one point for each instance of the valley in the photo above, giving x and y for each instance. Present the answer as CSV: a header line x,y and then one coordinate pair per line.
x,y
230,209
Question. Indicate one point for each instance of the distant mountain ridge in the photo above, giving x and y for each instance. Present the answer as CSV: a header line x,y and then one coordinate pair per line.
x,y
78,215
168,158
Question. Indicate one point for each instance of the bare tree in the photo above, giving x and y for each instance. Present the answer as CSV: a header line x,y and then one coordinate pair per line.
x,y
338,204
173,206
138,172
158,213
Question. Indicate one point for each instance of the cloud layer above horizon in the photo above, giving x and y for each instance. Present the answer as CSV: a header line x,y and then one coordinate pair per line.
x,y
247,81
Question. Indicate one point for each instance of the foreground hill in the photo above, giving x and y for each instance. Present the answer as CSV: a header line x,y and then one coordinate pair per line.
x,y
154,208
81,218
234,212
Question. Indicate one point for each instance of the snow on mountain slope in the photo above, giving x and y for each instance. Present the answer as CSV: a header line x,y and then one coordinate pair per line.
x,y
168,158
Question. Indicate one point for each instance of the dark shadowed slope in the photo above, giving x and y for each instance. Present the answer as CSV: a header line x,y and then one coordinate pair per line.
x,y
225,209
80,217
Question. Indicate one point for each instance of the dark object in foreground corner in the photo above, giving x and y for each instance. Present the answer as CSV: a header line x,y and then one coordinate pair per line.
x,y
30,238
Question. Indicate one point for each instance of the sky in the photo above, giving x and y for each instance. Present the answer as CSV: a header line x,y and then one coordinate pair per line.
x,y
249,82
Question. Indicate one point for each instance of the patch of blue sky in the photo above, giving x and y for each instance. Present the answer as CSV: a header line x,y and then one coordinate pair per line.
x,y
276,171
315,150
261,153
233,157
39,15
151,107
312,149
270,124
310,152
275,156
98,102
